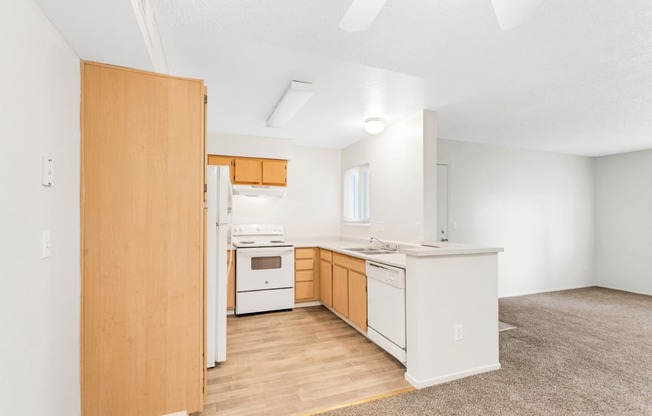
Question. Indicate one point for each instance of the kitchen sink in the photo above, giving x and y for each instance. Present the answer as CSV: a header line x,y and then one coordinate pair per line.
x,y
372,250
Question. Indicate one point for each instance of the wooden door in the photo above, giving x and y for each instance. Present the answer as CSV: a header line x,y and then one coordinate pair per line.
x,y
223,161
340,290
275,172
230,285
358,299
326,283
142,180
248,171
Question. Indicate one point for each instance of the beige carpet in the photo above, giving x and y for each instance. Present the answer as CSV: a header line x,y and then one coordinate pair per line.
x,y
576,352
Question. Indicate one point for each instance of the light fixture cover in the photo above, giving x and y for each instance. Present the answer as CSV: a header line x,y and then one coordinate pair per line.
x,y
360,15
512,13
295,97
374,125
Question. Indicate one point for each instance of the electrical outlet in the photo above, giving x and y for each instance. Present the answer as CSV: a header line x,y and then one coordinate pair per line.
x,y
458,334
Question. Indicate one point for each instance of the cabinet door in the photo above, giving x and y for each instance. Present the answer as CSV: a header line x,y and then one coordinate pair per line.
x,y
341,290
327,283
223,161
142,336
358,299
230,286
275,172
248,171
304,291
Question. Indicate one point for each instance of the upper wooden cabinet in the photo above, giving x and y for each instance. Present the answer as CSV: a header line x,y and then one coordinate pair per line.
x,y
248,171
253,171
275,172
223,161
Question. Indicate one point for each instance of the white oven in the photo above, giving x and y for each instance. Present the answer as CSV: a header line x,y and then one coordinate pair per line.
x,y
264,278
265,268
264,273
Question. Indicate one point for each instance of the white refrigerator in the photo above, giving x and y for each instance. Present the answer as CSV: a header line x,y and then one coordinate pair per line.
x,y
219,195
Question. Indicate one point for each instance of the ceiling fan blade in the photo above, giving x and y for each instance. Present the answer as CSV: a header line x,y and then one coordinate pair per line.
x,y
361,15
511,13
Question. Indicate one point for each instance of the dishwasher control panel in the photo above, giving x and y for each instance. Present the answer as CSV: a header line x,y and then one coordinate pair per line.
x,y
393,276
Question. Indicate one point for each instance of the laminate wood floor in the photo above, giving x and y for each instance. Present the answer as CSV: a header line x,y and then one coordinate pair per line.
x,y
288,363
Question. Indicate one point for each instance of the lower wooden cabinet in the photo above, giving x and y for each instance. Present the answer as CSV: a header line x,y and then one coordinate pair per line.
x,y
341,290
349,288
306,274
326,271
230,285
358,299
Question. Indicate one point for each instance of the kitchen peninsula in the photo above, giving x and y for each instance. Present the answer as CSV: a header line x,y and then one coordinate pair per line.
x,y
451,305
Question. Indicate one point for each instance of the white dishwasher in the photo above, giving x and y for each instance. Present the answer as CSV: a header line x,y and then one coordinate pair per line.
x,y
386,308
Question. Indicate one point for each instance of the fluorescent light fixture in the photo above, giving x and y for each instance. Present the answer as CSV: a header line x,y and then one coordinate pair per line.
x,y
374,125
512,13
296,96
360,15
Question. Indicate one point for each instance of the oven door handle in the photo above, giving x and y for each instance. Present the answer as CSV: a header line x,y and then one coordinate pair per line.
x,y
266,252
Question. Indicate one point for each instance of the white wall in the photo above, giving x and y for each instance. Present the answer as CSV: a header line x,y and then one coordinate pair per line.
x,y
249,146
396,171
312,207
39,299
537,205
623,204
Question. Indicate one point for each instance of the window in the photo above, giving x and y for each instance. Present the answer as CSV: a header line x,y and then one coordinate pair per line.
x,y
356,194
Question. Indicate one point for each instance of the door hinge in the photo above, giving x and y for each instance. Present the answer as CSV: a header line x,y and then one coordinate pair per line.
x,y
205,99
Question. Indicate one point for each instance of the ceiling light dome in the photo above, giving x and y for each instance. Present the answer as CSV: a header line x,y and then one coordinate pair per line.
x,y
374,125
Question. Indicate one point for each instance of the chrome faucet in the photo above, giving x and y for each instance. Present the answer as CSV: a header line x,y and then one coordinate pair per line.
x,y
386,246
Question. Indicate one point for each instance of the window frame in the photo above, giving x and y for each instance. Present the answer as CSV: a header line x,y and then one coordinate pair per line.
x,y
361,199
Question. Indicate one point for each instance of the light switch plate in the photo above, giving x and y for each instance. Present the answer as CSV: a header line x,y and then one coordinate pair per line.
x,y
47,172
45,245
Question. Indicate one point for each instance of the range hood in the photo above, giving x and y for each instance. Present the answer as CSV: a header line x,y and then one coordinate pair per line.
x,y
263,191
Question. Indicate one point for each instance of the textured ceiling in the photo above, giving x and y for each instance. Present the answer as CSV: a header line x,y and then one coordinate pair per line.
x,y
574,78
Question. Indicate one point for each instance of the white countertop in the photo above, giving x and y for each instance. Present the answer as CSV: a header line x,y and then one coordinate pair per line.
x,y
341,244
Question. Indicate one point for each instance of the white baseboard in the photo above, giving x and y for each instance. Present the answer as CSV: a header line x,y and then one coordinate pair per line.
x,y
419,384
624,290
307,304
296,305
184,413
536,292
